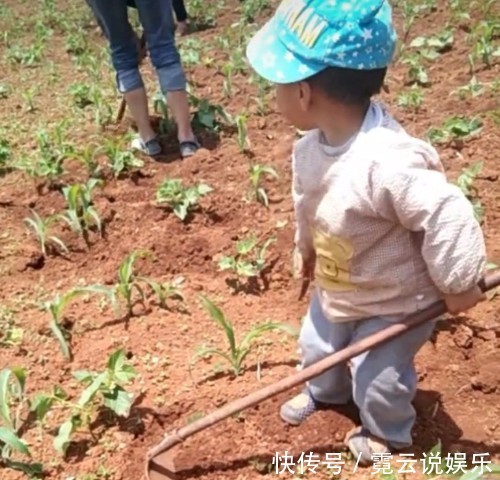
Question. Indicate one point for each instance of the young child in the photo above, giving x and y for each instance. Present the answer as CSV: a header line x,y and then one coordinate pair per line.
x,y
378,224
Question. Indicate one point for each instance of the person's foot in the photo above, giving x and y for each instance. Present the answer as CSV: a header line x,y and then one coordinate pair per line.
x,y
300,407
363,445
151,147
182,28
188,148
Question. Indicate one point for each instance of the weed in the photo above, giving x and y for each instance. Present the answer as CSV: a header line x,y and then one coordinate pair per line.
x,y
120,161
411,99
82,94
104,388
416,70
457,129
4,152
431,47
208,115
237,351
465,182
249,260
252,8
256,172
41,228
474,88
182,200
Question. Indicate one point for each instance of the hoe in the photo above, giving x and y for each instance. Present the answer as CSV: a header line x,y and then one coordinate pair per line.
x,y
160,459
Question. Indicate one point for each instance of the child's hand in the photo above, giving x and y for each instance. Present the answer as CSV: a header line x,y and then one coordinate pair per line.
x,y
303,268
464,301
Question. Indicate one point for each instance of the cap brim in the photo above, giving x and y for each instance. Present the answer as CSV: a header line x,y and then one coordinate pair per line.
x,y
271,59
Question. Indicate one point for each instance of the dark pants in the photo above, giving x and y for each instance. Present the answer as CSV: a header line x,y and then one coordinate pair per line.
x,y
179,9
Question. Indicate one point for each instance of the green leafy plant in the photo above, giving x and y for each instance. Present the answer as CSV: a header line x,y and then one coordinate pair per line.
x,y
241,125
249,260
82,94
431,47
102,389
13,401
41,228
465,182
256,172
473,89
56,308
28,56
252,8
411,99
160,107
120,161
416,70
129,281
4,152
182,200
237,352
457,128
208,115
81,215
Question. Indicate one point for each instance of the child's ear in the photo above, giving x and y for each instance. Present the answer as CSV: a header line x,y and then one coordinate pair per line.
x,y
305,96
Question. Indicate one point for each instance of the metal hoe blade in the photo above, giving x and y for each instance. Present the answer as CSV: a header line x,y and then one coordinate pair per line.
x,y
159,463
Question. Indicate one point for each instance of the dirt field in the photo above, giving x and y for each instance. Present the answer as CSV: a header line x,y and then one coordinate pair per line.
x,y
56,78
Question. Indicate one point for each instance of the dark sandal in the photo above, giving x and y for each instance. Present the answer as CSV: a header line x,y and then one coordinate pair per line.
x,y
189,148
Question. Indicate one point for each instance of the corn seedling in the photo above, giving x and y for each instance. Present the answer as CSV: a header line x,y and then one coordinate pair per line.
x,y
87,156
27,56
120,161
10,334
249,260
483,37
51,157
41,228
182,200
191,52
238,352
81,215
76,43
455,129
12,403
102,389
161,108
256,173
56,308
465,182
129,282
227,85
411,99
29,99
241,125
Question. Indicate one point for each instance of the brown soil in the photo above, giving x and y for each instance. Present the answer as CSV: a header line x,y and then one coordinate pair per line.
x,y
458,401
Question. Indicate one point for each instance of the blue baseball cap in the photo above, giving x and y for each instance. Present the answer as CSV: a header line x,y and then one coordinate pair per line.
x,y
305,37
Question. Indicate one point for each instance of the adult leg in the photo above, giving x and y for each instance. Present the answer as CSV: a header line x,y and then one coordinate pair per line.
x,y
384,386
113,19
157,19
320,338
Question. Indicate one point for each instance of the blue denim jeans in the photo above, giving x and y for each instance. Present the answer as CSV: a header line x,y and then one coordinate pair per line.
x,y
156,17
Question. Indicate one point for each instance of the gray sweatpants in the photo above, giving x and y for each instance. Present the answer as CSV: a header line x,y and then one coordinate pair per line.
x,y
382,382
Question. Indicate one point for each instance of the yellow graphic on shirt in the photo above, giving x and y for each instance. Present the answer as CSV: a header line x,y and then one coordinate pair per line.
x,y
333,262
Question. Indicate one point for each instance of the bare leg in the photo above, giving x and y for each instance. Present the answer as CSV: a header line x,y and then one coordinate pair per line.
x,y
178,103
138,104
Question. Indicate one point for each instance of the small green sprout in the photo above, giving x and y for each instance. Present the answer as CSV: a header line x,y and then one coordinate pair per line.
x,y
182,200
238,352
41,228
256,173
